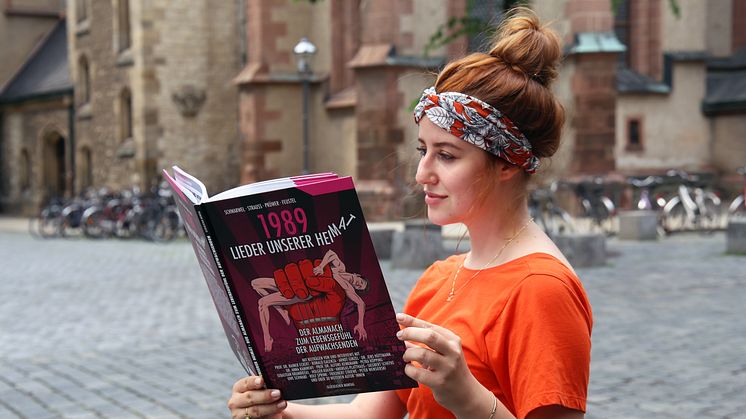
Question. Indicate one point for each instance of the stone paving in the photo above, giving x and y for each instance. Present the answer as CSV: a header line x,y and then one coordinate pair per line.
x,y
120,329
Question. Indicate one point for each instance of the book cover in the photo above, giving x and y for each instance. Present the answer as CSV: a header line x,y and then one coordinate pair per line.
x,y
295,279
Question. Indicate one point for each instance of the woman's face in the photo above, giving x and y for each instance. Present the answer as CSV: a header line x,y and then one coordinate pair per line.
x,y
449,171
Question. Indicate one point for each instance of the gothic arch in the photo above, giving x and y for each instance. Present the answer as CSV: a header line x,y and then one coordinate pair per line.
x,y
55,163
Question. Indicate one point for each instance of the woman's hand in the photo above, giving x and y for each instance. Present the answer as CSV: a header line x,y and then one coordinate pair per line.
x,y
437,361
249,399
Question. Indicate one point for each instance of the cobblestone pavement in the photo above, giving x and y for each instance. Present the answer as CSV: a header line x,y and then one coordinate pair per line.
x,y
127,329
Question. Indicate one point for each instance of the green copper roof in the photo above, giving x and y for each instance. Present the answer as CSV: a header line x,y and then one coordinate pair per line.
x,y
589,42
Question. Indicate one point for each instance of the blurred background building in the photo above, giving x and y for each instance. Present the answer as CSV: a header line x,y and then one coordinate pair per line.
x,y
108,93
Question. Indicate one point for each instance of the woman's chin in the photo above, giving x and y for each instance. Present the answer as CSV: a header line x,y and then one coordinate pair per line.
x,y
438,219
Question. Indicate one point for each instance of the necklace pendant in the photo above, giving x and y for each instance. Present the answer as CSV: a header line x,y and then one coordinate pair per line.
x,y
449,298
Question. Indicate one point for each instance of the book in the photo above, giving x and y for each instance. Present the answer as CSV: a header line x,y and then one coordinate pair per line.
x,y
296,283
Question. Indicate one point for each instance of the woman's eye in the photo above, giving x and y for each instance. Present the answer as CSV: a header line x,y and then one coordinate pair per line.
x,y
445,156
422,151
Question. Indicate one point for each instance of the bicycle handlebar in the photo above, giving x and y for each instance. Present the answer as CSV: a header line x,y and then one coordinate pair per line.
x,y
646,182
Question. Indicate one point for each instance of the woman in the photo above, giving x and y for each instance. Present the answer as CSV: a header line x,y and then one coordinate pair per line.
x,y
504,330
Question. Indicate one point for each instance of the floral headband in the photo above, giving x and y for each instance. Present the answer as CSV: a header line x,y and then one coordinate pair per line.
x,y
477,123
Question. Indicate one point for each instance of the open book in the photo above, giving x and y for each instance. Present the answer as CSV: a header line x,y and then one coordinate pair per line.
x,y
296,282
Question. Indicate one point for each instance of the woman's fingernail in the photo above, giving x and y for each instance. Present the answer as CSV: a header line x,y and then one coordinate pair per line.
x,y
399,333
274,393
258,381
282,404
400,316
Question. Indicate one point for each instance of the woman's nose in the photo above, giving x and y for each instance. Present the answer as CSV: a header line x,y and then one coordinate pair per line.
x,y
424,175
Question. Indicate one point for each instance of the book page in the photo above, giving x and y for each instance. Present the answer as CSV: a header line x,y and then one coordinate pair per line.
x,y
271,185
194,188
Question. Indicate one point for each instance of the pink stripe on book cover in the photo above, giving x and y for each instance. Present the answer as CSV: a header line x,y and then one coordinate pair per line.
x,y
326,186
174,185
315,176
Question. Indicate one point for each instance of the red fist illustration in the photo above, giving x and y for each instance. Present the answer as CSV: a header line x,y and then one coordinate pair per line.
x,y
326,296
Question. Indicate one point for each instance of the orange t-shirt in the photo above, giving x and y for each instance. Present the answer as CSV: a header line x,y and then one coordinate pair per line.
x,y
525,328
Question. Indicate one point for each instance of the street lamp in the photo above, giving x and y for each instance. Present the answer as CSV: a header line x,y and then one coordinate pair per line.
x,y
304,52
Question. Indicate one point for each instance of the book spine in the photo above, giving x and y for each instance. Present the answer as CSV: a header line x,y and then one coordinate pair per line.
x,y
228,288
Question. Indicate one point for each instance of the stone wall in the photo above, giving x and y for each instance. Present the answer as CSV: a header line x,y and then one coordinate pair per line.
x,y
97,124
729,144
190,55
178,71
719,30
674,131
689,32
30,128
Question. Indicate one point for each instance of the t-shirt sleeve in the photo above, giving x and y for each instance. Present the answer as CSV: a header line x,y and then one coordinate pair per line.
x,y
541,347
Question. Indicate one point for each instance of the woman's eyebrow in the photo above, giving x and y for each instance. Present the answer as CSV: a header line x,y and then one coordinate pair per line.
x,y
442,144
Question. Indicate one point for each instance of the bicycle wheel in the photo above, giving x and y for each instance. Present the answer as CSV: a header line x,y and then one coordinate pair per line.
x,y
711,216
674,216
33,226
608,220
558,221
166,227
49,224
737,208
92,224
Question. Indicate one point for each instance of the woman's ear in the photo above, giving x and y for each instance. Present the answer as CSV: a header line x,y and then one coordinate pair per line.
x,y
507,171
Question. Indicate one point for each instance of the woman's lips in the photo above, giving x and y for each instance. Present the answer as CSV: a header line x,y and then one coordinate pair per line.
x,y
433,198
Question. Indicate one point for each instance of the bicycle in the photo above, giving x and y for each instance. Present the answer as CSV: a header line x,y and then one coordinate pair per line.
x,y
598,208
646,201
546,212
737,207
47,223
693,208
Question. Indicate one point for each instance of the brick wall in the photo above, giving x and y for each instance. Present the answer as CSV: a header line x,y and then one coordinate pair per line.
x,y
590,15
594,85
645,53
739,25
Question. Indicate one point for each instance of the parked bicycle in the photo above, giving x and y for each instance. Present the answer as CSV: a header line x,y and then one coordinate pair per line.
x,y
737,207
547,214
694,208
101,214
596,207
47,223
647,199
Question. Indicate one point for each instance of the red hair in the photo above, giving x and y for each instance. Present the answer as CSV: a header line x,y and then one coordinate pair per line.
x,y
515,77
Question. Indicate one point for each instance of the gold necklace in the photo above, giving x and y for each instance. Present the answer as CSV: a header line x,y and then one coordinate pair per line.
x,y
499,252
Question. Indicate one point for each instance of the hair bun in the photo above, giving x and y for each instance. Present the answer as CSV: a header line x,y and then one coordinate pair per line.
x,y
526,46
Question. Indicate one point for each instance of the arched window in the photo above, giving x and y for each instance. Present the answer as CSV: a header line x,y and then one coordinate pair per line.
x,y
84,81
86,168
125,116
123,20
25,170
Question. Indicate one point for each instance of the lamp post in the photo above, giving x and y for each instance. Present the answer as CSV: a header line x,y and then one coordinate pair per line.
x,y
304,52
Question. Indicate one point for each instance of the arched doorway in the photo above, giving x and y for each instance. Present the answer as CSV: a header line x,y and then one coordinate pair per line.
x,y
55,165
